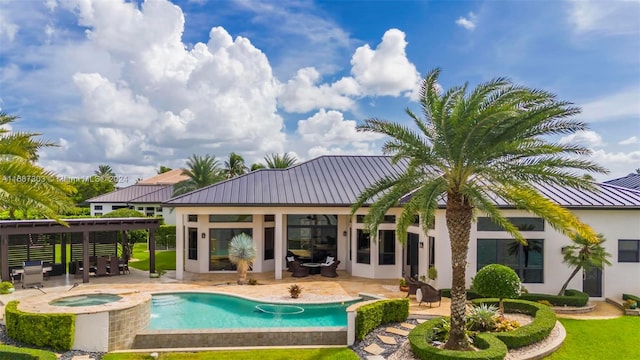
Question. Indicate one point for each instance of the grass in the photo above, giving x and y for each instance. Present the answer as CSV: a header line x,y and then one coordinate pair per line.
x,y
600,339
165,259
271,354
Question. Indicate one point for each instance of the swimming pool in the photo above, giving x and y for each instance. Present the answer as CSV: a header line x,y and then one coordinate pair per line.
x,y
86,300
218,311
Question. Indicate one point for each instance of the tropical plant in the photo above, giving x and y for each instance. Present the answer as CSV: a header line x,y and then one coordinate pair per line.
x,y
257,166
242,253
295,290
470,148
163,169
482,317
87,189
6,287
583,254
497,281
277,161
25,187
105,172
202,171
234,166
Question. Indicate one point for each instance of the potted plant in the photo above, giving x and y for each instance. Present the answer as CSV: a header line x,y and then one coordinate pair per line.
x,y
295,290
432,273
242,253
630,304
403,285
6,287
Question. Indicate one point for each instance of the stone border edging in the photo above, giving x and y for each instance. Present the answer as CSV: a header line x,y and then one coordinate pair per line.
x,y
574,309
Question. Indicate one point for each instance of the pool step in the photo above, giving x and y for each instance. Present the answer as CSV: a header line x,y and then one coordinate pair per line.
x,y
164,300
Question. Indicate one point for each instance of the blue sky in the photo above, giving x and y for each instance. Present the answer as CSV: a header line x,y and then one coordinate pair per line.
x,y
141,84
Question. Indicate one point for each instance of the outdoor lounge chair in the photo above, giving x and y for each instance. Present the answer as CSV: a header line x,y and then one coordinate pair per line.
x,y
330,270
114,267
101,266
413,285
32,275
429,294
298,270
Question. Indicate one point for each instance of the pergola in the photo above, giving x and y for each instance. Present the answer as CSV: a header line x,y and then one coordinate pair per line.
x,y
16,232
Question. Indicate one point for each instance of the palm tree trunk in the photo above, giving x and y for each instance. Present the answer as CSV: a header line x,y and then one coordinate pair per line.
x,y
564,287
459,215
242,266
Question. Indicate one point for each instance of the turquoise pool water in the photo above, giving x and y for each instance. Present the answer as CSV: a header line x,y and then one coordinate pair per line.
x,y
86,300
217,311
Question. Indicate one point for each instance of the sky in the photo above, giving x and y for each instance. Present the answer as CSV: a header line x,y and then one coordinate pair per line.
x,y
140,84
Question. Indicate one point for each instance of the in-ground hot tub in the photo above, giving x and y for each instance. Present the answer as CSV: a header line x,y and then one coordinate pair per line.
x,y
86,300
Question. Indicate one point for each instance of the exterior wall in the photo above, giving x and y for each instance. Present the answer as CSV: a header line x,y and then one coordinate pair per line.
x,y
167,213
106,208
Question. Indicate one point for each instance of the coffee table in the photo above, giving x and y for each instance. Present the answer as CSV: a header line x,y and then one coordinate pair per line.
x,y
314,268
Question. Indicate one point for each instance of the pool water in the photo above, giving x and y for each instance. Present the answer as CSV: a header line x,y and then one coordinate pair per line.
x,y
86,300
218,311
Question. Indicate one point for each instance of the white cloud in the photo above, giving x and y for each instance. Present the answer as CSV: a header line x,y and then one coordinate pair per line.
x,y
619,163
385,70
469,22
8,29
586,138
604,17
301,94
629,141
622,105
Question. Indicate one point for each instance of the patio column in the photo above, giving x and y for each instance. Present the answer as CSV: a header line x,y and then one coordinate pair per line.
x,y
85,257
280,243
63,250
179,247
152,250
4,256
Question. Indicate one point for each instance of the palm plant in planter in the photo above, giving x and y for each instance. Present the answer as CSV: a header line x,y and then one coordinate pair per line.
x,y
295,290
242,253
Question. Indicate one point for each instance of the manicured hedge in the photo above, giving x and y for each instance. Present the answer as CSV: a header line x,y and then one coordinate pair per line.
x,y
544,320
44,330
16,353
570,298
370,316
490,347
632,297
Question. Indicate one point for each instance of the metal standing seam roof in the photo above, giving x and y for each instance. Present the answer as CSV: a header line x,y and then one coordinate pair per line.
x,y
337,180
631,181
132,193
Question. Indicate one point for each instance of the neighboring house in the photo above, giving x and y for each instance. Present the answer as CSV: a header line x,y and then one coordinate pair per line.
x,y
305,210
146,197
631,181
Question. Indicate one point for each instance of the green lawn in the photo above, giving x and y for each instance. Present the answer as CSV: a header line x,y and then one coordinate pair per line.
x,y
600,339
272,354
165,259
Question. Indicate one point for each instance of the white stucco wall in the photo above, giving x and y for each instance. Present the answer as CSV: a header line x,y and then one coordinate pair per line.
x,y
92,332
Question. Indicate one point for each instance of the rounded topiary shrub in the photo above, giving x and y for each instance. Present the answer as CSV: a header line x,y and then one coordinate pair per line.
x,y
497,281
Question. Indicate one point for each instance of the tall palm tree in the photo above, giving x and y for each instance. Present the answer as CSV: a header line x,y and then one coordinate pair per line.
x,y
584,255
26,187
242,253
277,161
105,172
202,171
470,147
234,166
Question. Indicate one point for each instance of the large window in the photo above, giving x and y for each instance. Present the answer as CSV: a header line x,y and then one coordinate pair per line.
x,y
192,218
219,247
97,207
628,250
269,243
312,237
527,261
522,223
363,250
192,253
387,247
230,218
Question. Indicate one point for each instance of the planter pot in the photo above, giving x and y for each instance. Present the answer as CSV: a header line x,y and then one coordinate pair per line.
x,y
10,290
404,288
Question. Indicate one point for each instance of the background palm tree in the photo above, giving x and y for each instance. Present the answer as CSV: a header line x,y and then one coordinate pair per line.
x,y
242,253
26,187
202,171
584,255
163,169
257,166
234,166
277,161
105,172
469,148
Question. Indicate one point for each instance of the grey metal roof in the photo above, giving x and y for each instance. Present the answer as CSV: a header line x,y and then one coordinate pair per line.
x,y
338,180
129,194
631,181
157,196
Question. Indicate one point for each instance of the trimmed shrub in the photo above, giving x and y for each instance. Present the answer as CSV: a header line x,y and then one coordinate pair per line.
x,y
17,353
570,298
544,320
490,347
43,330
498,281
370,316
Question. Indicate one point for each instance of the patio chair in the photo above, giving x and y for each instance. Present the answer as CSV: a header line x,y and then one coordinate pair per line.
x,y
330,270
289,259
413,284
429,294
32,275
123,265
114,267
298,270
101,266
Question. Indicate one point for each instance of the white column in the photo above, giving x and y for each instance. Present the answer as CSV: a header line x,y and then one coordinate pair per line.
x,y
180,246
280,243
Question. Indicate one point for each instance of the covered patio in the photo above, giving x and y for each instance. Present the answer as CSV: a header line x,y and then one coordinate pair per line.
x,y
35,240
